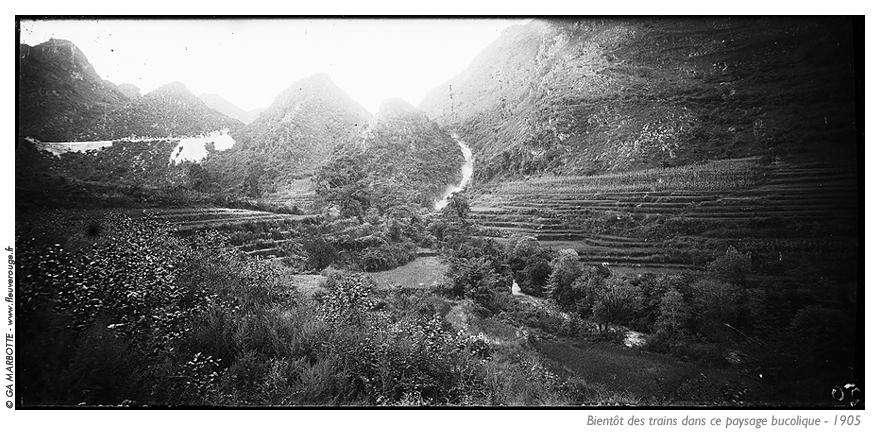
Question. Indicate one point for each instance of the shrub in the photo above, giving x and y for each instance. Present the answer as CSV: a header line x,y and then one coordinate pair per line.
x,y
658,342
530,263
319,253
723,310
732,266
473,277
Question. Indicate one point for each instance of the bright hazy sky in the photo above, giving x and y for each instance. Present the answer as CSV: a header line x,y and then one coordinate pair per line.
x,y
249,62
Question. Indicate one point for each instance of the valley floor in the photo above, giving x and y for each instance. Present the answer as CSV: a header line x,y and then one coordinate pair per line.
x,y
657,242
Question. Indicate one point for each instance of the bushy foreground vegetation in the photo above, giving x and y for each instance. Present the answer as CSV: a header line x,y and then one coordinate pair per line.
x,y
121,311
127,311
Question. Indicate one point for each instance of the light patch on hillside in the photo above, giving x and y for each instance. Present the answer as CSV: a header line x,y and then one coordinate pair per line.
x,y
59,148
192,149
196,149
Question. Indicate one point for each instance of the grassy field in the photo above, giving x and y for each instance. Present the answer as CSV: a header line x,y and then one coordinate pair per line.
x,y
650,378
422,272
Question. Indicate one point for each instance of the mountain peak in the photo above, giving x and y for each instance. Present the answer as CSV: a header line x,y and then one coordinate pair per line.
x,y
396,106
318,77
61,54
57,41
318,82
173,88
311,89
130,90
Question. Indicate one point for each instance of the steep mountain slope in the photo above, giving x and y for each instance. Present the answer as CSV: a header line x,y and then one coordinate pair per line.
x,y
307,122
291,139
402,158
62,98
229,109
584,97
59,91
171,110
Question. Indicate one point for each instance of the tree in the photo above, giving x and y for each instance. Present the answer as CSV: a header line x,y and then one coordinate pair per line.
x,y
529,262
674,313
458,206
473,277
720,306
566,268
199,178
618,301
732,266
345,184
251,184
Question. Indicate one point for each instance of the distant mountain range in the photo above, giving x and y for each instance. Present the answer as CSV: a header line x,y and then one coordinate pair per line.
x,y
596,95
62,98
170,110
558,96
229,109
311,125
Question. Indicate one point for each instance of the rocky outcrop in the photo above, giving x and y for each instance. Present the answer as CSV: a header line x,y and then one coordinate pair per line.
x,y
599,95
59,92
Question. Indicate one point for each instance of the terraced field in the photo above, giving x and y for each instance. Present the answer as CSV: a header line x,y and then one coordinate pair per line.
x,y
298,193
272,228
679,218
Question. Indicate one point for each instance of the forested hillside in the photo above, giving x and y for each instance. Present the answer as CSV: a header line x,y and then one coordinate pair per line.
x,y
291,139
169,111
401,159
598,95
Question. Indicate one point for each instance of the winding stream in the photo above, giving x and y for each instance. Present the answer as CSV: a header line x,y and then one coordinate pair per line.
x,y
467,171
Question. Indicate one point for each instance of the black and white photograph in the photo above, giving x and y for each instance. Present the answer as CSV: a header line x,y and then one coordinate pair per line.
x,y
625,212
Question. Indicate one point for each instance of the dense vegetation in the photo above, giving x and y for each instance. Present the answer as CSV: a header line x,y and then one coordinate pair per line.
x,y
402,159
137,315
725,317
297,133
169,111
